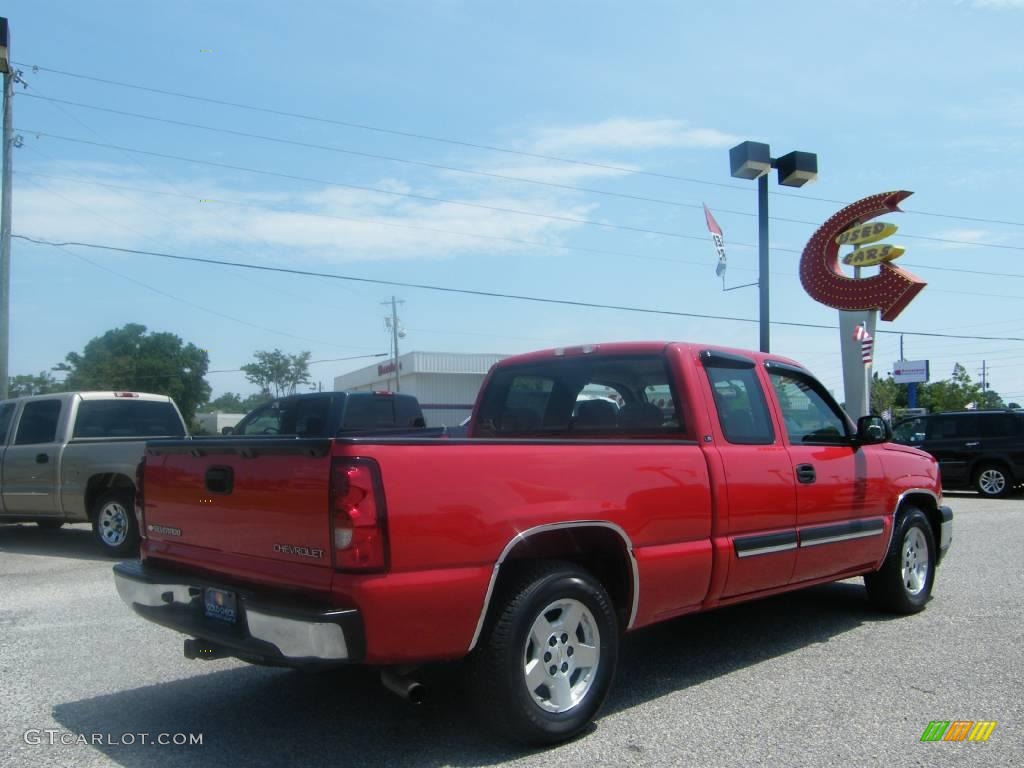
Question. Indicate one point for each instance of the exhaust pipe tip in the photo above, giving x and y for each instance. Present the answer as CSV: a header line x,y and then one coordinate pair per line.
x,y
411,690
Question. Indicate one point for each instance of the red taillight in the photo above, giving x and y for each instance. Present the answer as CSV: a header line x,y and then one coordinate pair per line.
x,y
140,502
358,520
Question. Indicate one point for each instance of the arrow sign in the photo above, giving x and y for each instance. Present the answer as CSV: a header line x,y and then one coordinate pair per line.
x,y
891,290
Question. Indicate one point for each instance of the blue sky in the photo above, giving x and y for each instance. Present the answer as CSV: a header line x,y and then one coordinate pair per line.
x,y
919,95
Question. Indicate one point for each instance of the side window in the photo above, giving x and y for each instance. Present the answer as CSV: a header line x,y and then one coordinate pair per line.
x,y
808,416
264,421
742,410
950,427
6,412
38,422
527,402
310,416
997,424
909,432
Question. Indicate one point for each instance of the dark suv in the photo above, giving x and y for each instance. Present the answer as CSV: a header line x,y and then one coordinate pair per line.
x,y
983,450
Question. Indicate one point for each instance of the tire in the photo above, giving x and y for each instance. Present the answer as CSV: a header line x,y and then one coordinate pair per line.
x,y
114,524
993,481
552,616
904,582
50,525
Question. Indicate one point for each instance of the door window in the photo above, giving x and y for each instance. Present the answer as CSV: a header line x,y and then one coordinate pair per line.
x,y
808,413
38,422
742,410
909,432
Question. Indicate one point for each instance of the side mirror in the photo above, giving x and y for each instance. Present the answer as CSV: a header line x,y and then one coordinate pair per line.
x,y
872,430
226,430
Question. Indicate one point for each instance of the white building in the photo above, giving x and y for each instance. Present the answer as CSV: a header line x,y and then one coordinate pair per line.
x,y
445,383
214,423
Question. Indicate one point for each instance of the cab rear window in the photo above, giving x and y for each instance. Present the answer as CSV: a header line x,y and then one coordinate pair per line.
x,y
127,418
585,397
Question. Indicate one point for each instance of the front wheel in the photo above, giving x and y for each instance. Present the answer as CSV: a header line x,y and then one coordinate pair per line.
x,y
546,662
114,524
904,582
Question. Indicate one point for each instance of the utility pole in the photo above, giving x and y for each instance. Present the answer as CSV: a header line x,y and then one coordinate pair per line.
x,y
984,377
5,210
396,334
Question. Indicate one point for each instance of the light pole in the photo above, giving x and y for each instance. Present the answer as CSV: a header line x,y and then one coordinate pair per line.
x,y
753,160
5,208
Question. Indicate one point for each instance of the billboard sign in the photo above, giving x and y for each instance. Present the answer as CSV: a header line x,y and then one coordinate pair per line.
x,y
910,371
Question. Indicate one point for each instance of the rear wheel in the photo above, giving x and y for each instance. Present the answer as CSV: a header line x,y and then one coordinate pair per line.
x,y
993,480
114,524
50,525
904,582
546,661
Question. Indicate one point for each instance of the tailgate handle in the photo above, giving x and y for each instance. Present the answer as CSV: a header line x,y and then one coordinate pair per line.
x,y
220,479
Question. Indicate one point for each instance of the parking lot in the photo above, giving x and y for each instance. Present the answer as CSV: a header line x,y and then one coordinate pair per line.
x,y
815,678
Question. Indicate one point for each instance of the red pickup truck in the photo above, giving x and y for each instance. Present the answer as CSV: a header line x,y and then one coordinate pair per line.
x,y
599,489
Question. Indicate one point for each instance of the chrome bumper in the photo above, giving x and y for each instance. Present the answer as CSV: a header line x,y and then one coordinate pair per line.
x,y
265,629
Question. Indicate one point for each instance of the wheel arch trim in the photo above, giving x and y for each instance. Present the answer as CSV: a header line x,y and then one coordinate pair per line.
x,y
896,510
522,536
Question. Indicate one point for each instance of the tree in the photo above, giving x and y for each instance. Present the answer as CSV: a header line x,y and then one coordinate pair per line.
x,y
886,395
278,373
43,384
130,358
952,394
230,402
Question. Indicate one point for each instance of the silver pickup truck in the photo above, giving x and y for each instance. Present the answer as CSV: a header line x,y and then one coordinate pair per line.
x,y
71,458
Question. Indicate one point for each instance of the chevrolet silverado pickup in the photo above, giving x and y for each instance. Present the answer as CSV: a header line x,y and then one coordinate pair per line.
x,y
71,458
599,489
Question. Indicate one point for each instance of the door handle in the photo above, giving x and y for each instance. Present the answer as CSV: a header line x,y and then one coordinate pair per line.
x,y
805,473
42,458
972,444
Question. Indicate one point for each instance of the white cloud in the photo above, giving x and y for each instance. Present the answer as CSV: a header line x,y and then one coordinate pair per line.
x,y
998,4
626,133
334,224
965,238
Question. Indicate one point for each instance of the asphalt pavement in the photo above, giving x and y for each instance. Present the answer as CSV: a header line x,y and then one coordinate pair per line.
x,y
813,678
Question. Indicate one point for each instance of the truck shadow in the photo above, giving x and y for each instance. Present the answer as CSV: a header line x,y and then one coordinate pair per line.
x,y
74,541
267,717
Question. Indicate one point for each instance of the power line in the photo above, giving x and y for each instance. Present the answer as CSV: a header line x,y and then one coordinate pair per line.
x,y
375,190
473,145
496,238
503,177
179,299
394,224
463,203
487,294
389,158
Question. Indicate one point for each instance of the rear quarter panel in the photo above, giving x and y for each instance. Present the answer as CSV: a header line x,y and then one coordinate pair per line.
x,y
454,505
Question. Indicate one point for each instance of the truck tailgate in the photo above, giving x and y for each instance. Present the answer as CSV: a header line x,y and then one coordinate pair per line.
x,y
259,503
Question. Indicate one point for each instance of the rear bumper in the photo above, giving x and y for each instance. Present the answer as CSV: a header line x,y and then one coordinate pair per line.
x,y
945,531
265,628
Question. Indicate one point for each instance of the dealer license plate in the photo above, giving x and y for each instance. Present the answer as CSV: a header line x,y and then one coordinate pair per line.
x,y
220,604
